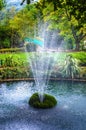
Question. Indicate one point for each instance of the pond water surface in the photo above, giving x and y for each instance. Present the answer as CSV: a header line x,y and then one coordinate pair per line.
x,y
69,113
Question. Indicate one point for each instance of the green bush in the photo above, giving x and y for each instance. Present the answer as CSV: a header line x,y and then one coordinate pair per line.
x,y
13,73
81,56
71,67
48,102
83,72
6,43
11,60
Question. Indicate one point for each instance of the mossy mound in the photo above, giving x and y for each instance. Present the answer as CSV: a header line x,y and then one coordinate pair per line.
x,y
48,102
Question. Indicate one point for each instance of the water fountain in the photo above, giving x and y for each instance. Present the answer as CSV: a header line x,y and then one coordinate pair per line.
x,y
16,114
42,63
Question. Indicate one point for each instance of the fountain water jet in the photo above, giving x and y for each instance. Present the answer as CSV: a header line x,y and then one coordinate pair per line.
x,y
42,63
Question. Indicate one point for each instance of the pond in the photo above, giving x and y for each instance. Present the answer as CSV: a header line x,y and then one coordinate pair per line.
x,y
69,114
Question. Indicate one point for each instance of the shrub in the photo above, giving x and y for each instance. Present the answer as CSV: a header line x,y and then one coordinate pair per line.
x,y
6,43
48,102
81,57
14,72
71,68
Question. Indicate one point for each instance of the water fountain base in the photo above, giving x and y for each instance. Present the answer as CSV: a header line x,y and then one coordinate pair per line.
x,y
48,101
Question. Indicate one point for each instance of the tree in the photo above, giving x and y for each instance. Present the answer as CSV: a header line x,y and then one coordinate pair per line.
x,y
2,4
69,17
76,13
8,36
24,21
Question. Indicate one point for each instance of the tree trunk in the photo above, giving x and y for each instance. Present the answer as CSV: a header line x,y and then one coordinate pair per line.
x,y
77,39
77,45
55,5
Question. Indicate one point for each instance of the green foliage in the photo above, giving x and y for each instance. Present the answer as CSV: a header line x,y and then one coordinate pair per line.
x,y
64,15
14,73
83,72
71,67
15,65
59,56
6,43
69,17
9,36
24,21
11,60
4,37
48,101
81,56
2,4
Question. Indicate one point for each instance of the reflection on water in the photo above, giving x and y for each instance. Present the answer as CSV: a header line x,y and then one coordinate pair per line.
x,y
69,114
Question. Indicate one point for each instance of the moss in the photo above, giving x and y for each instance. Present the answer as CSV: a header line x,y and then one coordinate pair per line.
x,y
48,102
